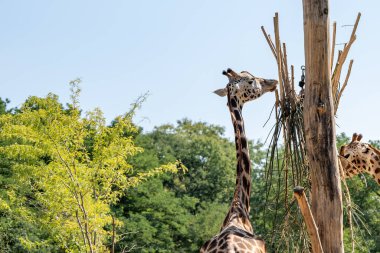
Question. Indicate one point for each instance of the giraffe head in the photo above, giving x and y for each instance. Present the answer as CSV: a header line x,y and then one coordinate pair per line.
x,y
350,156
353,148
357,157
245,87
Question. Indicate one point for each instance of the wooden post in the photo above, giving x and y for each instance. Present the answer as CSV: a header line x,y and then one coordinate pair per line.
x,y
319,124
312,230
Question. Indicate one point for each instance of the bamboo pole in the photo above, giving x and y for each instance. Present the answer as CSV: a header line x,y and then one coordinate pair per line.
x,y
348,203
333,46
341,60
270,43
319,125
285,60
356,25
292,80
279,58
311,227
342,56
343,87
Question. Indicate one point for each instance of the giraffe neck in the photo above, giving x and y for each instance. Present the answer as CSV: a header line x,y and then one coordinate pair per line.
x,y
368,162
238,214
374,164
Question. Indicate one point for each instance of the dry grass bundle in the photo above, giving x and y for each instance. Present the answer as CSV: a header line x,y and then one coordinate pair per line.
x,y
287,165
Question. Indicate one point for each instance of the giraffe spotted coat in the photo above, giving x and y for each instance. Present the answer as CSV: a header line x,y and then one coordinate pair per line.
x,y
236,234
358,157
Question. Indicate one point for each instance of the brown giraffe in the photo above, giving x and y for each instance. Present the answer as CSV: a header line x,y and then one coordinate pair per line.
x,y
236,234
358,157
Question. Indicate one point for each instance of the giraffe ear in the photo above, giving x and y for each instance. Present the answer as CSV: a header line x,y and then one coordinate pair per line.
x,y
341,151
221,92
354,136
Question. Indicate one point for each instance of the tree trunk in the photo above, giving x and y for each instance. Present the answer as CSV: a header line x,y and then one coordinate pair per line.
x,y
319,123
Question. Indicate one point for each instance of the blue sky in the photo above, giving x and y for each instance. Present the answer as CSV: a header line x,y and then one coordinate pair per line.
x,y
176,50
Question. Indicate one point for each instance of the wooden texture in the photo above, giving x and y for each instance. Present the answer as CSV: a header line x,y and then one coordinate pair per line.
x,y
319,125
279,57
333,46
311,227
343,87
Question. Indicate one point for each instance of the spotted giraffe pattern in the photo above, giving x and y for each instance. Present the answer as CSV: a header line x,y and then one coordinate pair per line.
x,y
236,234
358,157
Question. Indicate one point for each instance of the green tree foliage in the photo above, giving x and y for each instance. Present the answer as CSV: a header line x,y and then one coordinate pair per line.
x,y
60,173
173,208
71,183
178,213
3,106
209,157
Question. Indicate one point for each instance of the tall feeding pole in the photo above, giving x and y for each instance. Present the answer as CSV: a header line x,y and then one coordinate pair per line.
x,y
319,124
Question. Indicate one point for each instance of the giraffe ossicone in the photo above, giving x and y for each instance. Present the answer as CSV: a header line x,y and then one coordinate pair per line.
x,y
236,234
359,157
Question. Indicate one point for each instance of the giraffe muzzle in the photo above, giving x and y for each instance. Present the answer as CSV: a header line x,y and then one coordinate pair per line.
x,y
270,84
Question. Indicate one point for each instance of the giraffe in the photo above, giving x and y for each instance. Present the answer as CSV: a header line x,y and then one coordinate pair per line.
x,y
236,234
357,157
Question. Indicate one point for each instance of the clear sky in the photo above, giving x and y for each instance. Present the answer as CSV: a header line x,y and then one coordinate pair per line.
x,y
176,50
